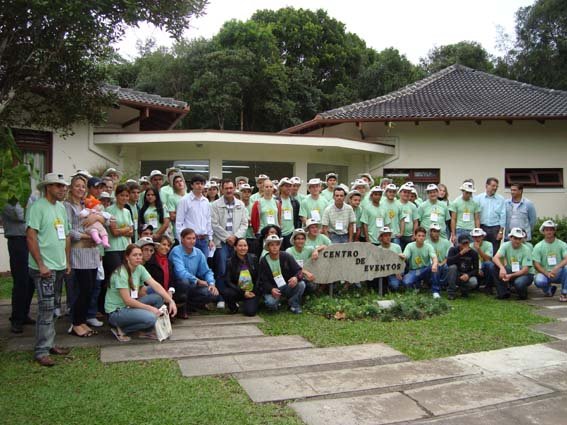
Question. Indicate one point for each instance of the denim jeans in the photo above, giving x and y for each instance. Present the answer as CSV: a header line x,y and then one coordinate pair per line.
x,y
394,283
543,282
338,238
521,284
192,295
487,268
293,296
93,305
203,245
136,319
413,277
48,292
221,257
23,286
454,282
439,280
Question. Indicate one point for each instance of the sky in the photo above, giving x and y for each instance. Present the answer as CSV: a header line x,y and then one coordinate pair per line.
x,y
411,26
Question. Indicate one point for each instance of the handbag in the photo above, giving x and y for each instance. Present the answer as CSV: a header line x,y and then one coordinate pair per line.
x,y
163,324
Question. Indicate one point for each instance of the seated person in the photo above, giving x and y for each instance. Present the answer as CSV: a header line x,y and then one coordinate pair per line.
x,y
242,280
463,268
422,262
441,246
512,266
280,275
385,238
550,258
127,312
302,253
485,253
158,265
194,281
314,237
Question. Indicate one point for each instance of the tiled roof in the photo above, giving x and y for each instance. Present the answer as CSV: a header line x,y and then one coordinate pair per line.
x,y
136,96
460,92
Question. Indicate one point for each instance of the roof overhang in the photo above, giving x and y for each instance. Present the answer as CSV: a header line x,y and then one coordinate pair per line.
x,y
263,139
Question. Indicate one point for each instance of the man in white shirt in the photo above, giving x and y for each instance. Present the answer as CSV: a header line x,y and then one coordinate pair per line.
x,y
194,212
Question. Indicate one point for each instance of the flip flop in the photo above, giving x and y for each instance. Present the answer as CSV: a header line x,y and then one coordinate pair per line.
x,y
148,335
563,298
119,335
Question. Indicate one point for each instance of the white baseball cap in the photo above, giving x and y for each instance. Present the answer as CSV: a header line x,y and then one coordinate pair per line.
x,y
376,189
467,187
156,173
295,180
311,222
517,233
284,180
431,187
477,231
314,182
435,226
547,223
270,239
244,186
391,186
359,182
383,230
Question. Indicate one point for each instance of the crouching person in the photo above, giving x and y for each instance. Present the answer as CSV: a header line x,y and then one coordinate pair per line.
x,y
550,258
301,253
422,262
485,253
515,270
463,268
127,312
385,238
194,281
280,275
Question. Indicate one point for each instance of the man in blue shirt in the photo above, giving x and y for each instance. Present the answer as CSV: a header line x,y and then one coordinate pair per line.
x,y
492,213
520,212
194,281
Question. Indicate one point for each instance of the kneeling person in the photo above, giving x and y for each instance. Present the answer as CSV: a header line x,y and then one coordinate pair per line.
x,y
385,238
422,263
280,275
463,268
550,259
301,253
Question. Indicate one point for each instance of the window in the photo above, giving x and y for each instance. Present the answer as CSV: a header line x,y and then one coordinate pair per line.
x,y
36,148
420,176
535,177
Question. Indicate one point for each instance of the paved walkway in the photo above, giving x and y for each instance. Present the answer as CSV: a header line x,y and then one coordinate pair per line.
x,y
359,384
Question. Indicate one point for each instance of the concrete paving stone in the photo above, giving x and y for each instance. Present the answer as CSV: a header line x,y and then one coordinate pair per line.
x,y
214,332
180,349
216,319
544,302
556,330
557,307
381,378
475,393
366,410
553,313
558,345
548,411
554,376
290,359
514,359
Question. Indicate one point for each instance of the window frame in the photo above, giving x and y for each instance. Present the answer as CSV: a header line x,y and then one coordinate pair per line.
x,y
534,175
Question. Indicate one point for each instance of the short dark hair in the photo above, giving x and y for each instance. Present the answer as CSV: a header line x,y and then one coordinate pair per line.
x,y
419,229
492,179
226,181
187,231
133,186
121,188
339,188
519,186
198,178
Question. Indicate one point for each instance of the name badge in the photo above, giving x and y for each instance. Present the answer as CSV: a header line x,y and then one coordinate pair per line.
x,y
353,227
153,222
279,280
515,266
339,225
300,262
315,215
287,215
134,293
379,222
434,217
551,260
407,219
60,231
271,219
466,217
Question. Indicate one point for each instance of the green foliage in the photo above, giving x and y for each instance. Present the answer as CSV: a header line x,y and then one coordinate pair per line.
x,y
15,174
561,231
357,305
467,53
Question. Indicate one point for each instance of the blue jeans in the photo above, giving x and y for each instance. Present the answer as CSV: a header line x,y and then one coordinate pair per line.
x,y
293,296
487,268
93,306
203,245
221,257
394,283
48,293
192,295
454,282
521,284
136,319
439,279
543,282
413,277
338,238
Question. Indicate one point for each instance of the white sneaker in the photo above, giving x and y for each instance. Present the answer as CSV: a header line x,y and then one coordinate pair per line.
x,y
94,322
436,295
220,305
57,312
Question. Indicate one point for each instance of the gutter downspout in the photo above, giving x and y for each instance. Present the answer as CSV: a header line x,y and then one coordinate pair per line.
x,y
94,149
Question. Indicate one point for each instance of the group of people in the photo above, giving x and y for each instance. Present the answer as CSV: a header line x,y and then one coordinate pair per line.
x,y
123,250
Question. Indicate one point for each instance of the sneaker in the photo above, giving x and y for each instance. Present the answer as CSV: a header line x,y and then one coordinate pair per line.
x,y
95,322
436,295
220,305
57,312
296,310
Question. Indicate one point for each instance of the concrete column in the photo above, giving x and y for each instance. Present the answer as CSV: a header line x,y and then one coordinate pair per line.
x,y
300,171
215,166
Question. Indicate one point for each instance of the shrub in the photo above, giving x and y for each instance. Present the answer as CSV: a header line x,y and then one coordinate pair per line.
x,y
561,228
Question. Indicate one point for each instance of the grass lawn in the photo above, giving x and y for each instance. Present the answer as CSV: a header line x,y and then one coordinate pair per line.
x,y
5,288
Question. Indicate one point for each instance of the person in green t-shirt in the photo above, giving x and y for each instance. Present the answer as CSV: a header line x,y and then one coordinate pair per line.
x,y
409,216
266,211
512,266
374,216
154,212
393,211
295,186
49,243
550,259
465,213
441,247
312,206
315,238
302,253
485,253
179,190
394,280
354,198
127,311
422,262
433,211
331,182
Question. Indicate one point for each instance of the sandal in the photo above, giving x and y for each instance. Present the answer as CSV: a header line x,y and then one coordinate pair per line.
x,y
563,298
148,335
120,336
72,331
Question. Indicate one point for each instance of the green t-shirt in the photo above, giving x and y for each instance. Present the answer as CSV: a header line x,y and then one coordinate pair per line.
x,y
151,217
119,280
486,247
164,193
268,212
441,248
394,247
274,265
287,217
249,231
465,212
171,205
302,256
516,258
299,197
419,257
52,226
408,215
375,218
438,212
313,208
123,220
549,254
328,195
393,212
318,241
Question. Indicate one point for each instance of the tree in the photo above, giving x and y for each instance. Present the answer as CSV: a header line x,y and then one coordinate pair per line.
x,y
467,53
541,45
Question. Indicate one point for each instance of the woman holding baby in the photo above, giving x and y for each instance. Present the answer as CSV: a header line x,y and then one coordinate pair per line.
x,y
84,257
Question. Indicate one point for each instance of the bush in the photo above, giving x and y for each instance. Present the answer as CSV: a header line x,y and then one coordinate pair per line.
x,y
561,228
362,305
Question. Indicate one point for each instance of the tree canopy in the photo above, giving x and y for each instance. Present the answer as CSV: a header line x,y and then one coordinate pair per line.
x,y
467,53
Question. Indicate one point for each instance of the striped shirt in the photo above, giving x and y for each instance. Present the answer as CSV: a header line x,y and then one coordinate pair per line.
x,y
229,220
81,258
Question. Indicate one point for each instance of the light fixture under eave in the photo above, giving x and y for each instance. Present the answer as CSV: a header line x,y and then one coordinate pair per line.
x,y
319,149
199,145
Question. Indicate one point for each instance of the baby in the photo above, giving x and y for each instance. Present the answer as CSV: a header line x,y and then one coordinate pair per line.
x,y
96,230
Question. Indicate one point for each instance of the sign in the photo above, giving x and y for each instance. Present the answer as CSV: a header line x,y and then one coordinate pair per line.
x,y
354,262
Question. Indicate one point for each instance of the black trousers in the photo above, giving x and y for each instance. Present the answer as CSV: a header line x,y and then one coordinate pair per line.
x,y
23,286
110,262
232,296
491,235
84,282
